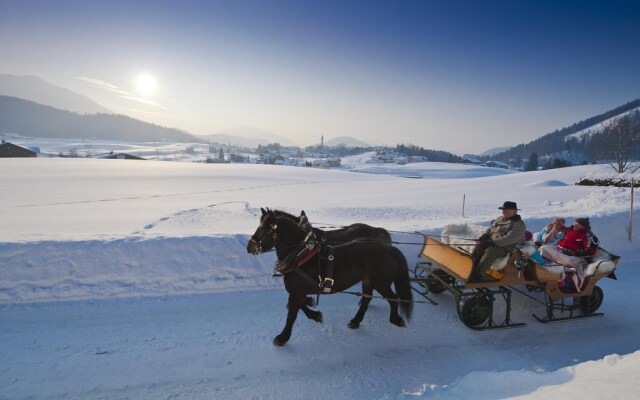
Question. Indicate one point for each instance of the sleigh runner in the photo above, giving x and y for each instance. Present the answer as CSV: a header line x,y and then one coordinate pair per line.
x,y
448,267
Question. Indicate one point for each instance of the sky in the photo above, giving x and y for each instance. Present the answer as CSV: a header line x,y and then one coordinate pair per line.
x,y
131,280
438,74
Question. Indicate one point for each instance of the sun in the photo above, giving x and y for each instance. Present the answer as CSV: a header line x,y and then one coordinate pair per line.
x,y
146,85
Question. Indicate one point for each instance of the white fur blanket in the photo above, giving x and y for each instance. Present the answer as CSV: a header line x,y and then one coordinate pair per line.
x,y
462,235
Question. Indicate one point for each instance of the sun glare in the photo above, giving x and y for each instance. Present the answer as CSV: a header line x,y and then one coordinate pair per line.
x,y
146,85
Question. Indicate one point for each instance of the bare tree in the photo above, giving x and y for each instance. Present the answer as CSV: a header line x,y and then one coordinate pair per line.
x,y
617,140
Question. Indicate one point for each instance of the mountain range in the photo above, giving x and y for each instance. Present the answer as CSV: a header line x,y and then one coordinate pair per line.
x,y
40,91
248,136
346,141
32,119
31,106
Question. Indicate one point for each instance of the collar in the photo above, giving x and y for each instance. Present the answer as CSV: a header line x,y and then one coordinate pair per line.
x,y
516,217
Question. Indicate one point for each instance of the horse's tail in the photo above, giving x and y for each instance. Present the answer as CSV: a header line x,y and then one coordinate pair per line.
x,y
403,284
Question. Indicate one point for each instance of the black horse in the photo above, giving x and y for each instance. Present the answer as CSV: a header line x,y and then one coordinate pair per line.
x,y
310,271
357,231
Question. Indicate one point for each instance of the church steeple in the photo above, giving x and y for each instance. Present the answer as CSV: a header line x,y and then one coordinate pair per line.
x,y
322,142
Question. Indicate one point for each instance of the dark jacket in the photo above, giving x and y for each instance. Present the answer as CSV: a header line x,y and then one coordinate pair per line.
x,y
508,232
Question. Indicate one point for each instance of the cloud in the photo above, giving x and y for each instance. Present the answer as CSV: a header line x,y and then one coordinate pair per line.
x,y
103,85
144,101
120,92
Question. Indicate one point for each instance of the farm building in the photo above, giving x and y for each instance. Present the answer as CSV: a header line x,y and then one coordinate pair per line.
x,y
13,150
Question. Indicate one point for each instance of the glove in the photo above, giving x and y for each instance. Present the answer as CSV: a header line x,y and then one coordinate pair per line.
x,y
485,239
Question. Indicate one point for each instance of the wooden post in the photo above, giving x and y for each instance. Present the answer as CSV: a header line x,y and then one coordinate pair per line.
x,y
631,211
463,201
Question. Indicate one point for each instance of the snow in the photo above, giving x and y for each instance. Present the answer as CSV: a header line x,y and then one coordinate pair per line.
x,y
580,135
130,280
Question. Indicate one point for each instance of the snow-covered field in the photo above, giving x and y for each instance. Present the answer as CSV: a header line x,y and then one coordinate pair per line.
x,y
130,280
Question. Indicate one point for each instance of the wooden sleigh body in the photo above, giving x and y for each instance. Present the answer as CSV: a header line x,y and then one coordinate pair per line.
x,y
445,267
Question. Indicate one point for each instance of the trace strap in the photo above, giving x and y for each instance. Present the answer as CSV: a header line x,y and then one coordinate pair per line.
x,y
326,284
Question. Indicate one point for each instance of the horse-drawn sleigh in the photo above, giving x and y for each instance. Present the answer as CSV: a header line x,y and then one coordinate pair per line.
x,y
449,266
313,261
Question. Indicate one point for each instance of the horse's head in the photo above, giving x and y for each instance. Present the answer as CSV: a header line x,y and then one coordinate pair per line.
x,y
264,237
274,225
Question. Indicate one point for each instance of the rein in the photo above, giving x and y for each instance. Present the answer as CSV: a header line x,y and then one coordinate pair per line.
x,y
326,225
372,296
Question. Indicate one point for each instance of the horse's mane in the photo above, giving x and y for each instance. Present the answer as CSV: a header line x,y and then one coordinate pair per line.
x,y
280,213
344,234
292,222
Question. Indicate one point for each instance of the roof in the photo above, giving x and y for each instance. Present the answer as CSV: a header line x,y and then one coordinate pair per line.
x,y
7,148
122,156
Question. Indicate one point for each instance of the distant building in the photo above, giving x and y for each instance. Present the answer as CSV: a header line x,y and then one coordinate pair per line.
x,y
122,156
472,161
330,162
215,161
238,158
13,150
334,161
320,164
415,159
497,164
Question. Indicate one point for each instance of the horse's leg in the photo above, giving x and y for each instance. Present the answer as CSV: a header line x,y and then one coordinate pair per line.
x,y
294,304
392,298
311,314
367,291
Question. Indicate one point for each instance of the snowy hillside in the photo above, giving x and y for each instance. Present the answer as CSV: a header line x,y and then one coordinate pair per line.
x,y
592,130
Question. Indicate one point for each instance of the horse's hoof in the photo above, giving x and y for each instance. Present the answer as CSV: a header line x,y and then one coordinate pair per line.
x,y
353,325
279,343
400,323
319,318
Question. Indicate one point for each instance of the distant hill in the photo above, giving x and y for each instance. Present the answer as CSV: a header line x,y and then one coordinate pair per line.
x,y
37,90
248,136
570,143
495,150
346,141
32,119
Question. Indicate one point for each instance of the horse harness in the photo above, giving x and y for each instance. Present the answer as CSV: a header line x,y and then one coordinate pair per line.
x,y
310,247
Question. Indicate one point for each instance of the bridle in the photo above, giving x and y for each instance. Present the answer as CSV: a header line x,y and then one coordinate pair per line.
x,y
297,255
270,231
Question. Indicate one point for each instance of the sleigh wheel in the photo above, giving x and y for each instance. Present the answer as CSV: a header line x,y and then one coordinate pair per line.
x,y
589,304
475,310
434,284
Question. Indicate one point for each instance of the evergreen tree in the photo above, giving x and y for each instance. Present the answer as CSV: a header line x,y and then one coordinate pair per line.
x,y
557,163
532,164
221,154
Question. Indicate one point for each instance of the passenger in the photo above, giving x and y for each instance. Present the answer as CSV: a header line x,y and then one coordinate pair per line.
x,y
550,233
579,242
504,235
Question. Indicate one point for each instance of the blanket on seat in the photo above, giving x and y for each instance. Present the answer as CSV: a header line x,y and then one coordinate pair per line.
x,y
576,269
462,236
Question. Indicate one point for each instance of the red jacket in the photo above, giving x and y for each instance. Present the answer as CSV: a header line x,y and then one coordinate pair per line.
x,y
577,242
